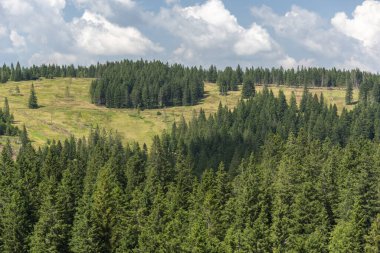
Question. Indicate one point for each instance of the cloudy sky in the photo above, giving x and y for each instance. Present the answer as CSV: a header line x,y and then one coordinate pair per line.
x,y
341,33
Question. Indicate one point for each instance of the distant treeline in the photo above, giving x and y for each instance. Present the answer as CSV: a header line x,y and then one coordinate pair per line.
x,y
229,78
129,84
300,76
18,73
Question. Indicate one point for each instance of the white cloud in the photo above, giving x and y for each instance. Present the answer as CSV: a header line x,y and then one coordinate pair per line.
x,y
364,25
16,7
183,51
303,27
3,31
252,41
204,25
210,29
53,58
104,7
18,41
364,28
55,4
127,3
171,1
98,36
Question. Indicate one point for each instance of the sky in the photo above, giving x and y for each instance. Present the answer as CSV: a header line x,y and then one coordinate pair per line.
x,y
267,33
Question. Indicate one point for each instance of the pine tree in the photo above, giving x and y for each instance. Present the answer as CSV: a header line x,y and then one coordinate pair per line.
x,y
48,233
24,136
373,237
16,224
32,99
349,92
6,110
376,93
248,86
18,73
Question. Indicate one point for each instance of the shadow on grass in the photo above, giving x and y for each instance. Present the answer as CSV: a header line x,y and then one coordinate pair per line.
x,y
353,103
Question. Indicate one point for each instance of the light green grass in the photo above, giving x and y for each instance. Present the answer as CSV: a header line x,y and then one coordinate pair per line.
x,y
61,116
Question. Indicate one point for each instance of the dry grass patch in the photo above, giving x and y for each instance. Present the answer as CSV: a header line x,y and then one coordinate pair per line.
x,y
61,116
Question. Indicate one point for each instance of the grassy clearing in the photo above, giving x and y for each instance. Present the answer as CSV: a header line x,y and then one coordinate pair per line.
x,y
61,116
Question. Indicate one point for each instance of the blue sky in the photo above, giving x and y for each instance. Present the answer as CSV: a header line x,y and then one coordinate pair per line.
x,y
288,33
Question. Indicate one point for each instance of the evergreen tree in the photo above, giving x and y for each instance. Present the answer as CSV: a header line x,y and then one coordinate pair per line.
x,y
6,110
32,104
349,92
248,86
376,93
373,237
16,224
48,233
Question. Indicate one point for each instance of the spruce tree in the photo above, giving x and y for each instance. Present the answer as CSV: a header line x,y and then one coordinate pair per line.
x,y
376,93
32,99
373,238
349,92
6,110
248,86
48,233
16,224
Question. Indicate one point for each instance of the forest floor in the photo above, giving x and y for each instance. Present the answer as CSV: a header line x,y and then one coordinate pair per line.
x,y
64,113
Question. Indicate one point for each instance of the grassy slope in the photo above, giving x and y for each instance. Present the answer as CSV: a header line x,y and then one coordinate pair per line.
x,y
61,116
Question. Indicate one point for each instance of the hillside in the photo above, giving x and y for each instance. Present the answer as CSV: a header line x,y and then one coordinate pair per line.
x,y
64,113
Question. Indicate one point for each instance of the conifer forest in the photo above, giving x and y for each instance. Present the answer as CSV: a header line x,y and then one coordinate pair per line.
x,y
270,175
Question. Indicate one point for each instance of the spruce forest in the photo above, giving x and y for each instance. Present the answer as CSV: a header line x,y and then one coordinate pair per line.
x,y
270,175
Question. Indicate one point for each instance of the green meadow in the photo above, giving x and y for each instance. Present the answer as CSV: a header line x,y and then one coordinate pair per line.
x,y
65,110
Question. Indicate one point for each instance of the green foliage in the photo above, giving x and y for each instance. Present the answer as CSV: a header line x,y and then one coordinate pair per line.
x,y
248,85
268,176
349,92
32,102
373,237
129,84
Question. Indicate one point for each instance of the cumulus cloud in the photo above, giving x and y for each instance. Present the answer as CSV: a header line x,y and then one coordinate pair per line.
x,y
303,27
3,31
340,42
17,40
104,7
16,7
364,25
210,30
52,58
36,31
95,34
252,41
38,28
127,3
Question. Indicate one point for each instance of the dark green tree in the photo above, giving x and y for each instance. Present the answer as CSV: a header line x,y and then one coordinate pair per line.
x,y
32,104
349,92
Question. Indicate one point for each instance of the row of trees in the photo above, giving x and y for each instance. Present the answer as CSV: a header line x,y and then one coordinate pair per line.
x,y
369,90
131,84
18,73
229,79
269,176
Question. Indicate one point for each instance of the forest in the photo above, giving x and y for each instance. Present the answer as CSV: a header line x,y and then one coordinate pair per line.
x,y
270,175
147,85
154,84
